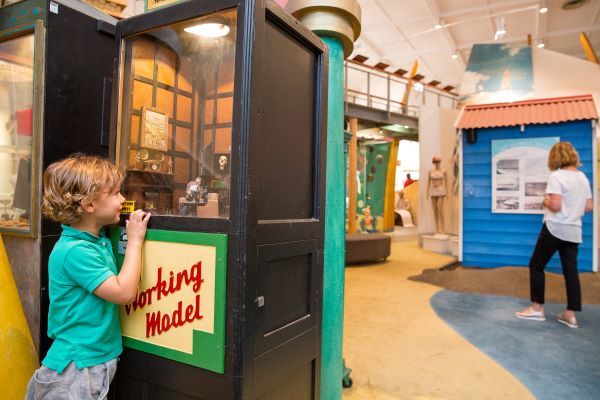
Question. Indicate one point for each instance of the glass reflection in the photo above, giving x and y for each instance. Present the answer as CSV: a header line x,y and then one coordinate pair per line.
x,y
176,117
16,132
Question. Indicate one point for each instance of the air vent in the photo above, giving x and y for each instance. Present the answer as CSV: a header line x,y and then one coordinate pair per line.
x,y
573,4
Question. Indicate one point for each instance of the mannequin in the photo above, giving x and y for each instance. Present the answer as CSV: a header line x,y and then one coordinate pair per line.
x,y
437,187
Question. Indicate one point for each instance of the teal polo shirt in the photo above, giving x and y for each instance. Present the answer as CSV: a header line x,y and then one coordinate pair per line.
x,y
85,328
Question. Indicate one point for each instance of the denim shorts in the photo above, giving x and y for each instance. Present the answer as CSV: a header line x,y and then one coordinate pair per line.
x,y
90,383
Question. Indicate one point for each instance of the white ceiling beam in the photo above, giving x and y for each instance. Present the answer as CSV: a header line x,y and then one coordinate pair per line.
x,y
548,34
488,7
404,39
595,14
447,35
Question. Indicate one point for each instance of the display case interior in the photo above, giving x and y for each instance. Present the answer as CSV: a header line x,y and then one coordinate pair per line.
x,y
16,132
175,131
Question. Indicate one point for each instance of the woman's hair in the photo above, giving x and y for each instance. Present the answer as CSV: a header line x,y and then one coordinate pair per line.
x,y
76,178
561,155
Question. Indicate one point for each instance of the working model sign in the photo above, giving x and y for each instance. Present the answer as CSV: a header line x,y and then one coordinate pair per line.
x,y
179,310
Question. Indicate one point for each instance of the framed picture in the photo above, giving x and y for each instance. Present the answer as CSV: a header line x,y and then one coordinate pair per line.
x,y
155,129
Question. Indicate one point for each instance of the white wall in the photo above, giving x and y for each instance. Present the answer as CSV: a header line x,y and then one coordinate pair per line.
x,y
437,137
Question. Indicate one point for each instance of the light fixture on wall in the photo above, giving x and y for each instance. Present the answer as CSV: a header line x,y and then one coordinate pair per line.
x,y
543,8
541,44
209,29
418,87
500,29
438,23
455,55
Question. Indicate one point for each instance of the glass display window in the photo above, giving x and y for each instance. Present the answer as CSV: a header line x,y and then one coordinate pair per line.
x,y
17,67
175,117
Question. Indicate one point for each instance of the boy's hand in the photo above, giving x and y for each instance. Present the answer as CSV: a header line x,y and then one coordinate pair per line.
x,y
136,226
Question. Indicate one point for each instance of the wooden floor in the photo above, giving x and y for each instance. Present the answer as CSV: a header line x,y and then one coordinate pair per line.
x,y
398,348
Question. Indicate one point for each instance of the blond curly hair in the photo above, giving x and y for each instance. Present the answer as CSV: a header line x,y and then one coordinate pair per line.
x,y
561,155
76,178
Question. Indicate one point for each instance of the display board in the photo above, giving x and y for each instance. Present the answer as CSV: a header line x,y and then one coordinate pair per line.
x,y
520,174
179,310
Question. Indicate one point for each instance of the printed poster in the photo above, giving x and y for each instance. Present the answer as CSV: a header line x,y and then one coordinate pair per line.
x,y
520,174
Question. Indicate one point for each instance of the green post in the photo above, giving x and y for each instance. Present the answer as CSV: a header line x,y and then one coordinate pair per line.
x,y
337,22
335,206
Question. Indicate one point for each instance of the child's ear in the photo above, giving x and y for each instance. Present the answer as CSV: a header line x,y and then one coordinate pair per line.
x,y
87,205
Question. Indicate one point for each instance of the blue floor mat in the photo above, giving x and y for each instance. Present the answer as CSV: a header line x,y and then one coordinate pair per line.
x,y
553,361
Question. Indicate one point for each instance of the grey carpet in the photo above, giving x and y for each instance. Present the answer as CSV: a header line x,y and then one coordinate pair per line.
x,y
552,360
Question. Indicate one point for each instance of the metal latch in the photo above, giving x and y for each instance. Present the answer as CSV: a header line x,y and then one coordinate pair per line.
x,y
260,301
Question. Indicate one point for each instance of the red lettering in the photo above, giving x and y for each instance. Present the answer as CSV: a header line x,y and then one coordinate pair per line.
x,y
161,285
189,313
166,322
142,299
159,323
153,323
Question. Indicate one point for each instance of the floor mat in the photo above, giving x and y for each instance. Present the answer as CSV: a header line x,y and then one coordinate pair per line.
x,y
553,361
508,281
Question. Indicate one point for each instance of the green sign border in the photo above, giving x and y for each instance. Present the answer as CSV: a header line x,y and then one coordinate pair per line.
x,y
208,348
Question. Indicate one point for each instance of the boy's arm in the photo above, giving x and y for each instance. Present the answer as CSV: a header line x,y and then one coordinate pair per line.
x,y
122,288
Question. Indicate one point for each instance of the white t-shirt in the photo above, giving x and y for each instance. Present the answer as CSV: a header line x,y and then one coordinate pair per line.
x,y
574,189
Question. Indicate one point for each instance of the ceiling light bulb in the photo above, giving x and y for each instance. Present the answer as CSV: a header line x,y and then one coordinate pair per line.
x,y
541,45
211,30
543,8
438,23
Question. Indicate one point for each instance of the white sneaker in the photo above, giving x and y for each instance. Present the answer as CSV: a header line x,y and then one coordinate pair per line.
x,y
531,315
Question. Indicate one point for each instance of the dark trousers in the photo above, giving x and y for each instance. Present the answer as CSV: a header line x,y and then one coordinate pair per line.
x,y
546,246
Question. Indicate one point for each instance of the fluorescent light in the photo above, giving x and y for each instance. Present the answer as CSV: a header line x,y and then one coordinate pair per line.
x,y
438,23
500,29
212,30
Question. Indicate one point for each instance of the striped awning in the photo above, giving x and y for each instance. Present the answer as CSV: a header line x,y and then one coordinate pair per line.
x,y
539,111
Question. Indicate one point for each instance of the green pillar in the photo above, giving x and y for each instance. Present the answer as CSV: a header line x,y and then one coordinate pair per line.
x,y
335,206
337,22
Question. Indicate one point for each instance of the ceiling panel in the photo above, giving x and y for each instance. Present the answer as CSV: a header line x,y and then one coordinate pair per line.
x,y
399,31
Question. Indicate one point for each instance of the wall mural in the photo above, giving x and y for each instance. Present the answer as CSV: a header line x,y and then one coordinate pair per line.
x,y
497,73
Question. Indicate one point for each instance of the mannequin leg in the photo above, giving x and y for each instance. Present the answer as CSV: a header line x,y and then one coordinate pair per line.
x,y
440,213
434,205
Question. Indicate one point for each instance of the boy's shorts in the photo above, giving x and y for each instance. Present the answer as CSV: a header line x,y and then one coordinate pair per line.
x,y
73,383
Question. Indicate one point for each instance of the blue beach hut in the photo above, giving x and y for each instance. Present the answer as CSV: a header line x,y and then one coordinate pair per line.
x,y
503,168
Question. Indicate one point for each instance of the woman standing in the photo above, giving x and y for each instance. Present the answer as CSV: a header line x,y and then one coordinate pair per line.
x,y
568,197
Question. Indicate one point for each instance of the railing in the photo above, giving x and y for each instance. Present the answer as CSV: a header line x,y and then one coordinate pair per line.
x,y
380,90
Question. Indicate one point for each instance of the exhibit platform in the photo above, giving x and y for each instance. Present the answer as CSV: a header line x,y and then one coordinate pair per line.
x,y
440,243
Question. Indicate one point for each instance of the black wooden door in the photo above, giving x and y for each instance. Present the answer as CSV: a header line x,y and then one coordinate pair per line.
x,y
287,163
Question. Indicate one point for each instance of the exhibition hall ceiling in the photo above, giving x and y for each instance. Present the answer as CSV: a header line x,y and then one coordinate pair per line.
x,y
398,32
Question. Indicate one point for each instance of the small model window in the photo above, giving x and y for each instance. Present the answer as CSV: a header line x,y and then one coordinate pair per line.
x,y
176,117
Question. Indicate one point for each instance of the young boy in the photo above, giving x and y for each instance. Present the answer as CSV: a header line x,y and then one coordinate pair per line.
x,y
82,193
